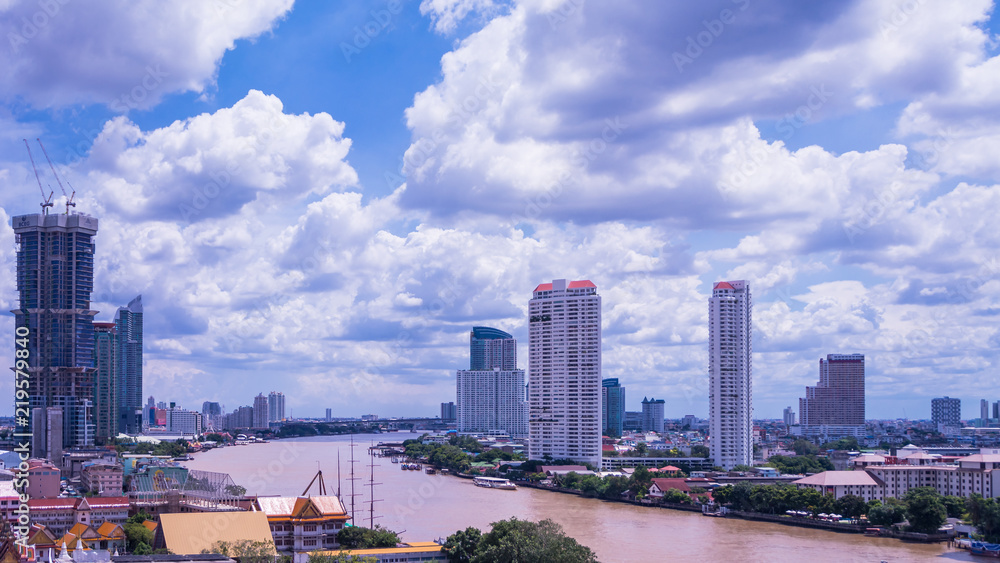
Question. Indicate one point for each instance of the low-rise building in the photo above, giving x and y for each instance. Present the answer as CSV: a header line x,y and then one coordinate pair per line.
x,y
840,483
300,525
102,478
402,553
974,474
59,515
43,479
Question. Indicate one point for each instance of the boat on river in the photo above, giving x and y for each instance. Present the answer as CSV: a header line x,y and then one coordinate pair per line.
x,y
494,483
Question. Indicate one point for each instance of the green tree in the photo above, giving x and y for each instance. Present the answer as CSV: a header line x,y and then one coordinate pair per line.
x,y
136,535
640,481
924,510
676,496
850,505
461,546
846,443
248,551
802,446
359,537
522,541
641,449
700,451
800,464
984,513
955,505
887,514
742,467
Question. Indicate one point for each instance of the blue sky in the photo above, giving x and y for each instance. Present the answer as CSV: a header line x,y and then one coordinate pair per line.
x,y
311,210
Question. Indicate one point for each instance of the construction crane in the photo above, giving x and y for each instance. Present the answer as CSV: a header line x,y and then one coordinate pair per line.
x,y
46,201
69,198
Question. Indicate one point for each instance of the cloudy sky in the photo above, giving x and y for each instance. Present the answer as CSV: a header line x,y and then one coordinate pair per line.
x,y
323,200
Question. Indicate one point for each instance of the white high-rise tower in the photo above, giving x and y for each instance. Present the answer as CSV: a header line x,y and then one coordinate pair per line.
x,y
564,364
730,393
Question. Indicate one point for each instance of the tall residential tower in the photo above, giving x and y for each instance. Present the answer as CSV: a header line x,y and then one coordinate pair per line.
x,y
491,395
55,277
730,393
612,407
128,327
564,362
835,407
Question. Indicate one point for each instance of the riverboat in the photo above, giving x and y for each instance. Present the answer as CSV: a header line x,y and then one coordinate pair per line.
x,y
429,470
983,548
494,483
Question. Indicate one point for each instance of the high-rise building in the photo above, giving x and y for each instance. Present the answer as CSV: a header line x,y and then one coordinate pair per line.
x,y
564,361
105,382
260,411
984,410
492,402
789,416
449,412
275,406
946,411
211,413
612,407
55,277
730,395
835,407
128,327
329,415
996,410
632,422
652,415
491,348
491,397
149,413
184,421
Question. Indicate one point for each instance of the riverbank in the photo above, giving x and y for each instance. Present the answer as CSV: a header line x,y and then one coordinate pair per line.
x,y
800,522
423,507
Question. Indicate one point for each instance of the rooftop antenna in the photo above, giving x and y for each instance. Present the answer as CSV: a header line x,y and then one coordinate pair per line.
x,y
338,475
46,202
371,485
69,198
352,478
322,485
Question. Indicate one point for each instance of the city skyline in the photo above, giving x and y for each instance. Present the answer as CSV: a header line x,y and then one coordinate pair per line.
x,y
331,195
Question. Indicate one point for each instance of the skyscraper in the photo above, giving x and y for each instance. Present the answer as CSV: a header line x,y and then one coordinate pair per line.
x,y
564,361
105,382
275,406
612,407
491,399
449,412
835,407
652,415
946,411
260,411
984,411
491,348
730,394
128,327
55,277
789,416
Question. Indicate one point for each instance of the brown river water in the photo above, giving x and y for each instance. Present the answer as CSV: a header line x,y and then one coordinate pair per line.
x,y
426,507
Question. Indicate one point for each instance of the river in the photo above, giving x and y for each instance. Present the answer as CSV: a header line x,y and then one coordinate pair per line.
x,y
426,507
